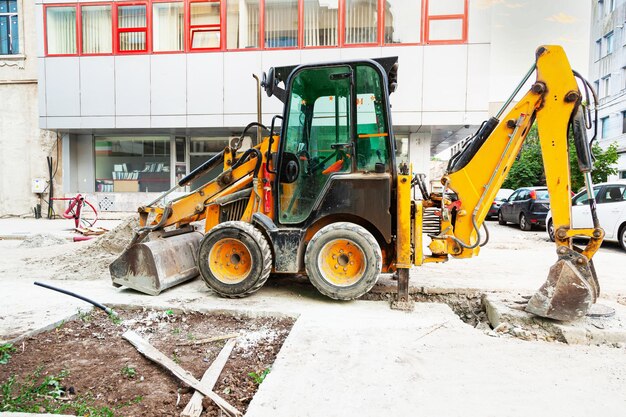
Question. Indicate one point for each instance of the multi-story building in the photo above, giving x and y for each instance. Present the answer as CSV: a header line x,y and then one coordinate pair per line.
x,y
144,91
23,146
608,72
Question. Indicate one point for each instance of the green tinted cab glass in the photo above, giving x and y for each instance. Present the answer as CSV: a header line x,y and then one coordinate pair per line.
x,y
318,125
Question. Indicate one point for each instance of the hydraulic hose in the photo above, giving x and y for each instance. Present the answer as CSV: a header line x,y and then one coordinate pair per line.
x,y
102,307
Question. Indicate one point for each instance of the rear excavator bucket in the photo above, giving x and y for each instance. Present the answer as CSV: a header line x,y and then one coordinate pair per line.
x,y
570,290
157,264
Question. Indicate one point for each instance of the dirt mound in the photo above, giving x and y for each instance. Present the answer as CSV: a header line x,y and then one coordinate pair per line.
x,y
92,260
41,240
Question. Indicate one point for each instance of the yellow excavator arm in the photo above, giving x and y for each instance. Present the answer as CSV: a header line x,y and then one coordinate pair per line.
x,y
478,171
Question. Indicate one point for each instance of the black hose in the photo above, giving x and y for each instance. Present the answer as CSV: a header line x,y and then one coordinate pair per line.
x,y
51,188
104,308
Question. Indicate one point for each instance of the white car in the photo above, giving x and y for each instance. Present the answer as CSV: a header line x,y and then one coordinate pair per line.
x,y
611,210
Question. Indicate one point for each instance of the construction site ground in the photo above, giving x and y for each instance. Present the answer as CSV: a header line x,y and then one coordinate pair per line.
x,y
361,358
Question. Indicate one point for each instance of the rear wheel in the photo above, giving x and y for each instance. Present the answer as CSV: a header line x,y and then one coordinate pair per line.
x,y
234,259
524,224
622,236
501,220
343,261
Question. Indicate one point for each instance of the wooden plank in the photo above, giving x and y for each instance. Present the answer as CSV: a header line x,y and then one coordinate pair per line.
x,y
194,407
155,355
208,340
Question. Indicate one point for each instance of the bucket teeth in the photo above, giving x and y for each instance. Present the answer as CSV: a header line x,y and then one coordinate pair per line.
x,y
570,290
155,265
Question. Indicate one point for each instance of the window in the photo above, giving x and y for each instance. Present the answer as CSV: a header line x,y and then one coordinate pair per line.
x,y
9,37
61,30
624,122
622,175
609,43
598,49
204,25
281,24
582,199
201,150
596,85
604,91
168,27
600,9
445,21
321,22
612,194
132,31
401,22
129,164
611,6
604,127
361,22
242,24
97,27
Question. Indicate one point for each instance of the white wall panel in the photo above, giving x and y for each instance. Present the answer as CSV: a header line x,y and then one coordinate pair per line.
x,y
205,88
168,121
478,77
97,82
214,120
62,87
168,84
360,53
63,122
97,122
239,86
132,85
138,122
313,56
445,78
275,59
479,28
408,96
39,30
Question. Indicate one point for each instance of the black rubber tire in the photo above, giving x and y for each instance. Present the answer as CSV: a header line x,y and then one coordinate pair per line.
x,y
621,235
260,253
501,220
550,229
524,224
370,250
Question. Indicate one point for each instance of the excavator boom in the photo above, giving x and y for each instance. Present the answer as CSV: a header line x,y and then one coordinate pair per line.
x,y
477,173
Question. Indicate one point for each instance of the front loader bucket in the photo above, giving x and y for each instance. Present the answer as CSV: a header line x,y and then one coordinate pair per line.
x,y
570,290
155,265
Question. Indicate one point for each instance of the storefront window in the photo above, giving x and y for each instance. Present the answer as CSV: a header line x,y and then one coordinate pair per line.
x,y
320,22
168,27
402,21
242,24
201,150
132,164
281,23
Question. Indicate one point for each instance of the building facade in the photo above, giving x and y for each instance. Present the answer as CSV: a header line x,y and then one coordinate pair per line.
x,y
608,72
142,92
23,146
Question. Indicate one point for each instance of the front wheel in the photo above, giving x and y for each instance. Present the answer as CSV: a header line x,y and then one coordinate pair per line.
x,y
524,224
501,220
343,261
622,236
234,259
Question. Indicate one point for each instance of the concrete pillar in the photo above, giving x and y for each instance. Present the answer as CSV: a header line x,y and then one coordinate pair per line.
x,y
419,153
85,172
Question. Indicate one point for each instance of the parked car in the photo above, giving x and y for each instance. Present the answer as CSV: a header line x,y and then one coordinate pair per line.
x,y
610,208
527,206
502,196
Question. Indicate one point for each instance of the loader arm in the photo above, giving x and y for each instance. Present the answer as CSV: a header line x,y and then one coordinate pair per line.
x,y
477,173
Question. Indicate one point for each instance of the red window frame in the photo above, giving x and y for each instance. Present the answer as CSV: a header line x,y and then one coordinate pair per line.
x,y
383,23
147,29
299,31
185,14
260,35
192,29
80,29
301,27
45,28
342,26
427,18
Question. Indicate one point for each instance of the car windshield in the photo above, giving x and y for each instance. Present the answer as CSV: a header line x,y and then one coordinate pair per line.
x,y
542,195
503,194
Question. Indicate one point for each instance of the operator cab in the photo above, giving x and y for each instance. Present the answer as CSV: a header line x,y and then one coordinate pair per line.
x,y
335,123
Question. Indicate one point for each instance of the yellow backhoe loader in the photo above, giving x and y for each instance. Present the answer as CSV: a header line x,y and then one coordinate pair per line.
x,y
324,196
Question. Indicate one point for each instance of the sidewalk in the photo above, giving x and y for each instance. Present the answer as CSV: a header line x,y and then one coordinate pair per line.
x,y
16,228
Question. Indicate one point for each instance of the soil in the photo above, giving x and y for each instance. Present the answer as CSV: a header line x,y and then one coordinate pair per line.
x,y
92,350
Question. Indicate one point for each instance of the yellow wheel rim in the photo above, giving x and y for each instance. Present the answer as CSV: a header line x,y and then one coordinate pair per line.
x,y
341,262
230,261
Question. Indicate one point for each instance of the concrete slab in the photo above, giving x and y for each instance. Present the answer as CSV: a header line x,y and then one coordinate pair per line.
x,y
506,314
20,229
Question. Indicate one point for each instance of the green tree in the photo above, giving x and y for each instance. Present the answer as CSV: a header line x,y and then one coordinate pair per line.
x,y
528,170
